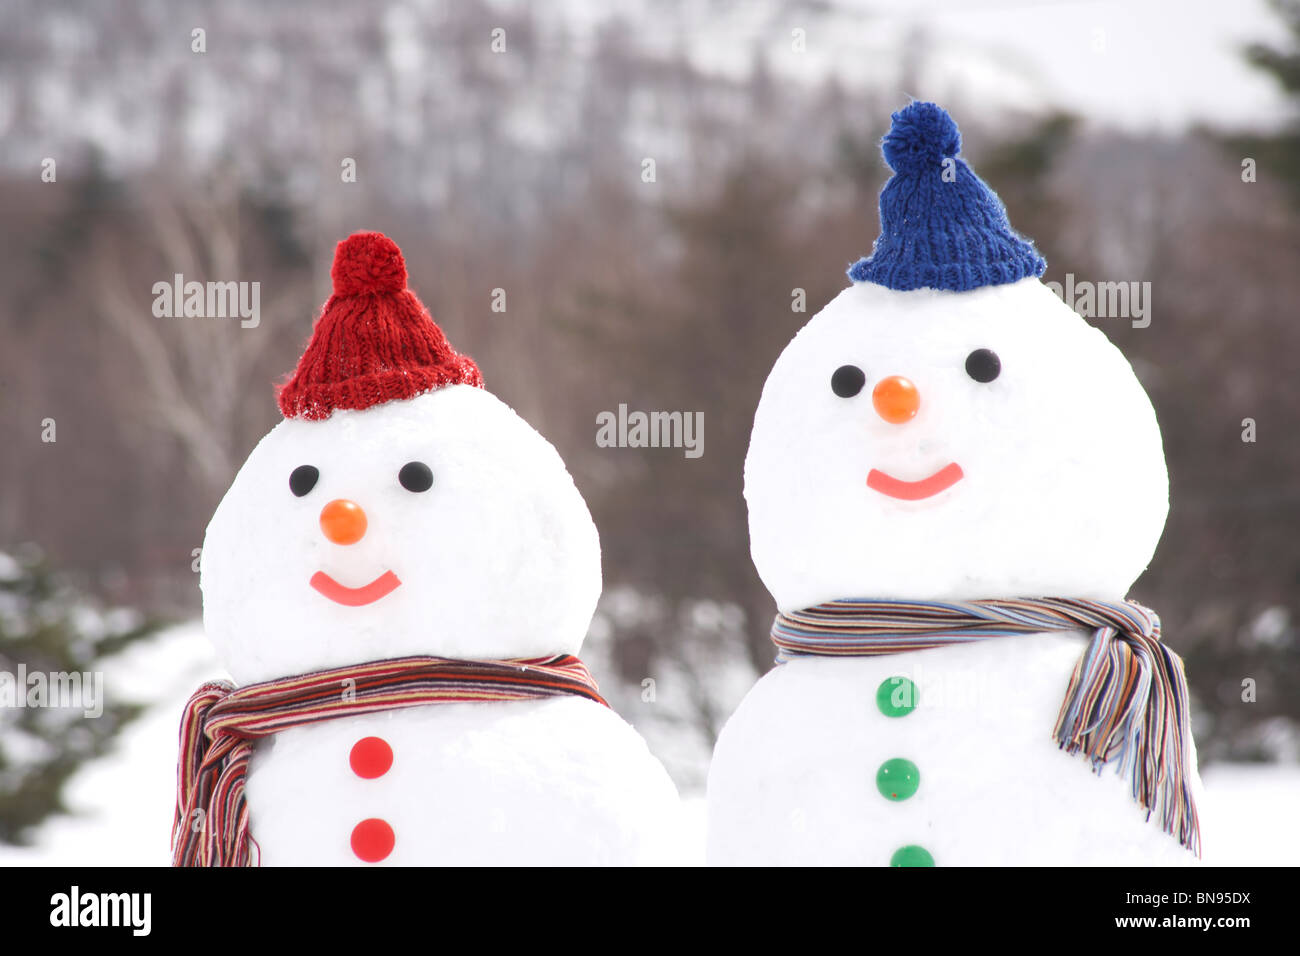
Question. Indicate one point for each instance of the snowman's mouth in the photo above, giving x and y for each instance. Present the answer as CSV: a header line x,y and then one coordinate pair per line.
x,y
941,480
383,585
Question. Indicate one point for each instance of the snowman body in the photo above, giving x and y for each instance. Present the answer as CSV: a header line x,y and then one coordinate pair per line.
x,y
552,782
993,787
1044,479
475,545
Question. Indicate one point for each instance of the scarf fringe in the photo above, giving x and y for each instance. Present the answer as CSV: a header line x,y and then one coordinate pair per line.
x,y
1126,705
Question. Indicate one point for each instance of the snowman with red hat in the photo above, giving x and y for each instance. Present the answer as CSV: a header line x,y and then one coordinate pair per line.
x,y
399,580
952,482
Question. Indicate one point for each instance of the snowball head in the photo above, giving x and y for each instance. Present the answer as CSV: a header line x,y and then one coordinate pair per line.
x,y
496,558
1046,480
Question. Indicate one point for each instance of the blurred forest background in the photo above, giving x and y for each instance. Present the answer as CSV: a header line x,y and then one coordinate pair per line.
x,y
524,169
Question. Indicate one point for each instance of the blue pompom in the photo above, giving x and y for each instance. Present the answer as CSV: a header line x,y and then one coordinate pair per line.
x,y
923,134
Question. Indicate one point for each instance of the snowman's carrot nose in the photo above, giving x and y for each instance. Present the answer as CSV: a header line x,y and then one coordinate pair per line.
x,y
343,521
896,399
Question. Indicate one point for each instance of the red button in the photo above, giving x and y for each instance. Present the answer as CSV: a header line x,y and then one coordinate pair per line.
x,y
373,839
371,757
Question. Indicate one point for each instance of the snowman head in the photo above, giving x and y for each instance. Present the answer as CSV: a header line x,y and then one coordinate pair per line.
x,y
399,509
947,428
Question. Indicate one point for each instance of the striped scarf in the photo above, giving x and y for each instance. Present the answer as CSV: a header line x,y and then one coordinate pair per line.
x,y
1127,698
222,723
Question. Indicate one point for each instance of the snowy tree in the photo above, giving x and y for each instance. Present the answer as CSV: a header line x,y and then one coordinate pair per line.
x,y
52,640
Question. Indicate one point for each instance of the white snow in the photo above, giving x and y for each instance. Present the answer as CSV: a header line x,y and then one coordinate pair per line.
x,y
548,783
1251,809
1063,490
793,780
498,559
122,804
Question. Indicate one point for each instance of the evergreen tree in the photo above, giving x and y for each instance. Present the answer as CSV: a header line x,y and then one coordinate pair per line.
x,y
48,628
1277,156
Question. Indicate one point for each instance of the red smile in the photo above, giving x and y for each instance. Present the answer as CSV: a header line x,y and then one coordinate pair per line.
x,y
941,480
385,584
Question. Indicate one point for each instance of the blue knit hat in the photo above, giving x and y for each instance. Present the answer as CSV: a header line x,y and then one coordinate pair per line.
x,y
937,234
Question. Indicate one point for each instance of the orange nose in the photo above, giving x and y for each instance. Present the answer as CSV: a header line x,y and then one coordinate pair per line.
x,y
343,521
896,399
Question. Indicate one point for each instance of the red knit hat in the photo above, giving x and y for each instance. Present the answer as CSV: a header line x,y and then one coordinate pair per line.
x,y
374,342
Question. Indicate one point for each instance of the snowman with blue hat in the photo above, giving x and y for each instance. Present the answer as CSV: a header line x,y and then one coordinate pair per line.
x,y
952,481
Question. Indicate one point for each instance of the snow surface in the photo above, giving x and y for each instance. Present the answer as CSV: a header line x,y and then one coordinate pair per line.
x,y
123,802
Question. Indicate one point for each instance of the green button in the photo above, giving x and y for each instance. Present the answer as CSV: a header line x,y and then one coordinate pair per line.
x,y
911,856
897,779
897,697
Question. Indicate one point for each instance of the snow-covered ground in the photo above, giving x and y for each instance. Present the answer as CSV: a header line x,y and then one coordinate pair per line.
x,y
123,804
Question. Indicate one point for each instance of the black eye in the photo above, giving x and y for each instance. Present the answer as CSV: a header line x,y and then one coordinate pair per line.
x,y
303,479
848,381
416,476
983,365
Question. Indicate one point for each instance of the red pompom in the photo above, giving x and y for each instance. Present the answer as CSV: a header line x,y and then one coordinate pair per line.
x,y
367,262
